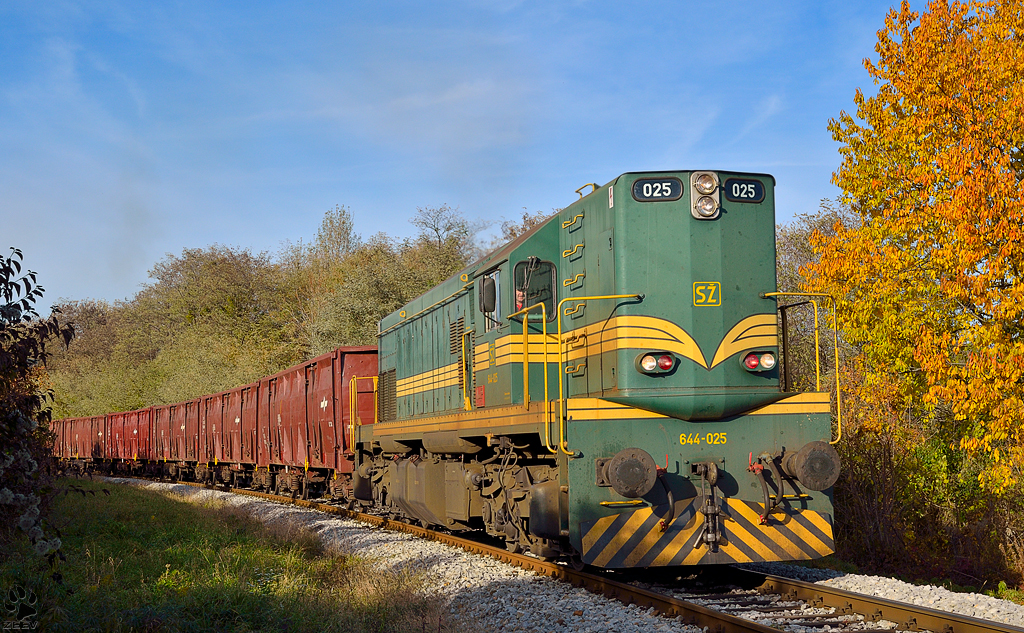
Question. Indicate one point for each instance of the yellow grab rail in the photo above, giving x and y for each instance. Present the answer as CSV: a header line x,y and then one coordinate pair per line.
x,y
568,223
562,413
817,357
467,369
353,406
526,367
574,279
572,251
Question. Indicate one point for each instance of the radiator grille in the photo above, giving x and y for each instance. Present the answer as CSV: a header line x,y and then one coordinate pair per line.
x,y
386,394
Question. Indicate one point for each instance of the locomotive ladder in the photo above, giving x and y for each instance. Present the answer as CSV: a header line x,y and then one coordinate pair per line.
x,y
817,345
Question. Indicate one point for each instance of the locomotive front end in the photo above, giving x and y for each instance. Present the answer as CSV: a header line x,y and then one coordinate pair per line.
x,y
681,447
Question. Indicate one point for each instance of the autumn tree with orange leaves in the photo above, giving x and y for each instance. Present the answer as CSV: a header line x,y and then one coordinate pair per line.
x,y
929,280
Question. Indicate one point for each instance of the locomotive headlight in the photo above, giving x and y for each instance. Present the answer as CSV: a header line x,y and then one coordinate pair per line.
x,y
706,206
705,184
768,361
655,362
648,363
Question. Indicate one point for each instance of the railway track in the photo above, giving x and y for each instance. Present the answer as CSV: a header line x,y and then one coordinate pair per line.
x,y
771,604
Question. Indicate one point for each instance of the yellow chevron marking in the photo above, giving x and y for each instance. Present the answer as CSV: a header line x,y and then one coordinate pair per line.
x,y
620,332
678,541
756,540
820,523
788,546
729,548
759,330
595,532
806,535
752,541
698,553
623,535
650,539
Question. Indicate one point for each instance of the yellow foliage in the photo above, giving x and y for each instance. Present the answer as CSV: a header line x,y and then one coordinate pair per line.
x,y
930,281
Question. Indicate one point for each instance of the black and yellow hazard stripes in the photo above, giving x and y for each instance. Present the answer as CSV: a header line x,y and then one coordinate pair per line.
x,y
635,538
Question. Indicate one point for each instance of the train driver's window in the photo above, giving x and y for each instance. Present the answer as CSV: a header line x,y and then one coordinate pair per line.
x,y
535,283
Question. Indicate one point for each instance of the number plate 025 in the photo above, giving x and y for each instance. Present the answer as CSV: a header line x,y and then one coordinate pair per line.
x,y
657,189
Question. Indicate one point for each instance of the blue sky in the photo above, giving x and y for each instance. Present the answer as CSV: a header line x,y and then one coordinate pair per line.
x,y
133,129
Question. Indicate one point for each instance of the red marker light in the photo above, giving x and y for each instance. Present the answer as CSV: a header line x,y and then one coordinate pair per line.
x,y
751,361
666,362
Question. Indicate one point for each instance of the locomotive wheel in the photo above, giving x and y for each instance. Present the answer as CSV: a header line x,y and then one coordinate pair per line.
x,y
576,562
514,546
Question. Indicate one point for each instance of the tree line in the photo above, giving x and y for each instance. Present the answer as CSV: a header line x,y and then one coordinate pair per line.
x,y
217,317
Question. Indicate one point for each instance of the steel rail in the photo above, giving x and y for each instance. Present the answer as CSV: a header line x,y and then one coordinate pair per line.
x,y
906,616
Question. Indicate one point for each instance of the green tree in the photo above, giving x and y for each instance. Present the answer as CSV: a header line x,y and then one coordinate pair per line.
x,y
25,440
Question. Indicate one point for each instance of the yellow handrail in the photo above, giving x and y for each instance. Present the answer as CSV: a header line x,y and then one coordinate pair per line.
x,y
817,358
568,223
572,251
562,413
466,371
526,367
353,406
577,277
589,184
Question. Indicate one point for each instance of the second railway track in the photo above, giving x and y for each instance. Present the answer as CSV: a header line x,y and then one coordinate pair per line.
x,y
767,604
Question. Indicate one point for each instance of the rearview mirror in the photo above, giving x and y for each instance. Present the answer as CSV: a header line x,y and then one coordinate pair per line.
x,y
487,295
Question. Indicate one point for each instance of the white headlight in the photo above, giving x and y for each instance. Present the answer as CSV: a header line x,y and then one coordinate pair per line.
x,y
705,184
649,363
706,206
768,361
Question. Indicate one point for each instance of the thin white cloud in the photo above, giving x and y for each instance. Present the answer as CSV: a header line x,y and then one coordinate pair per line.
x,y
766,109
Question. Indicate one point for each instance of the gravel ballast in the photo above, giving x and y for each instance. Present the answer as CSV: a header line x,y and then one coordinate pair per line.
x,y
486,593
975,605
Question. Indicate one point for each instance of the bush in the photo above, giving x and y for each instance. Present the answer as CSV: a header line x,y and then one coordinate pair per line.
x,y
25,439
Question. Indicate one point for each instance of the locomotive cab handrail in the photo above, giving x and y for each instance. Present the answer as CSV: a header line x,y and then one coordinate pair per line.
x,y
526,367
353,406
817,348
562,413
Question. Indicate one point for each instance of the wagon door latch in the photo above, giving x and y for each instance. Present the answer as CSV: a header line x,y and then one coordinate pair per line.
x,y
709,534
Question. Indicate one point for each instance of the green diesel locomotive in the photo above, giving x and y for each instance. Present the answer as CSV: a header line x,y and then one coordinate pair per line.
x,y
607,388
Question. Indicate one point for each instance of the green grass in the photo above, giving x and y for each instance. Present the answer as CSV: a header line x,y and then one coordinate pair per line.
x,y
142,561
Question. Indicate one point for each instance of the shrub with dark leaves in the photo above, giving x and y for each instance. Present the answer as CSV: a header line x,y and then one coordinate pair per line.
x,y
25,439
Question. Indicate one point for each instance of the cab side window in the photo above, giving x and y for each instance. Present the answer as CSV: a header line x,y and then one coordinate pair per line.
x,y
534,283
